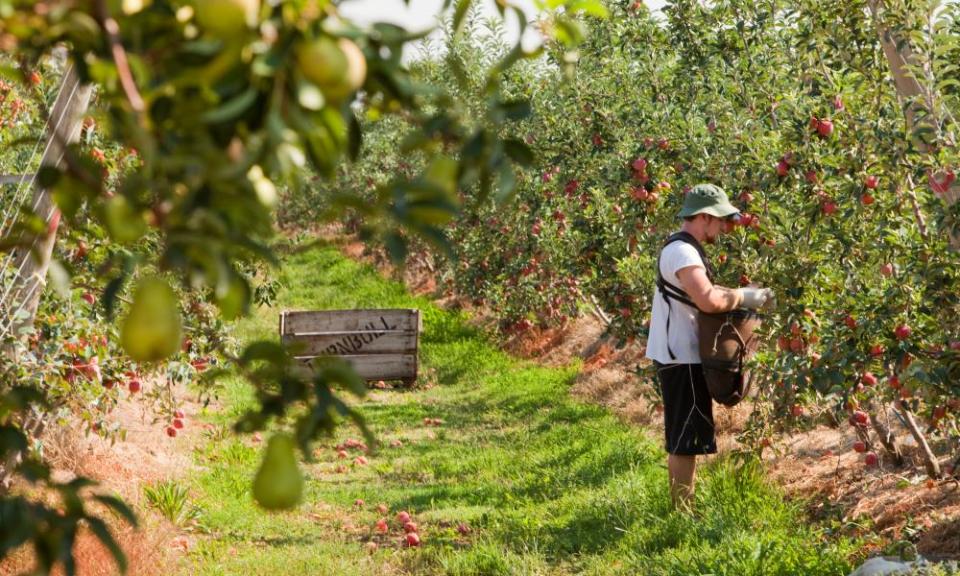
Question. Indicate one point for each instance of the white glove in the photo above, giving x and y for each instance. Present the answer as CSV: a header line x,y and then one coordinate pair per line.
x,y
756,298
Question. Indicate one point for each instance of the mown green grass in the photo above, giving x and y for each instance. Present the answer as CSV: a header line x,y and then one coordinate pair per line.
x,y
548,485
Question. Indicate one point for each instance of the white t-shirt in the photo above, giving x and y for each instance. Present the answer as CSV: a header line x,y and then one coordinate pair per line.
x,y
683,319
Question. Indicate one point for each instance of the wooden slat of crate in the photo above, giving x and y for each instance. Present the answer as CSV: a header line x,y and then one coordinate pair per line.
x,y
383,366
301,322
351,343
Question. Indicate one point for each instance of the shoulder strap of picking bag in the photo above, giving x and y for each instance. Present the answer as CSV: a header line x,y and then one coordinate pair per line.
x,y
670,291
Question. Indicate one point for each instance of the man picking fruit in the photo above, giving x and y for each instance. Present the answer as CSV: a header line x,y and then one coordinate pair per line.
x,y
685,287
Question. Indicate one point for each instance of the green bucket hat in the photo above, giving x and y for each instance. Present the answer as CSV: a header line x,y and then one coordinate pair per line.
x,y
707,199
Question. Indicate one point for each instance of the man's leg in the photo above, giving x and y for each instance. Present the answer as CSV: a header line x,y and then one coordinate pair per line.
x,y
682,470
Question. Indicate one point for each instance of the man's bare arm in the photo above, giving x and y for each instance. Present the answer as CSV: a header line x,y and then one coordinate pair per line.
x,y
708,297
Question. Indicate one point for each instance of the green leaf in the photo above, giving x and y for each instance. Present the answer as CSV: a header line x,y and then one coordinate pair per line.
x,y
231,109
119,507
516,109
264,350
507,183
100,530
463,7
519,152
233,296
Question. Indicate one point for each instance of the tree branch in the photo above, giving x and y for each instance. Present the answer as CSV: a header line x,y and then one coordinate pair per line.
x,y
112,29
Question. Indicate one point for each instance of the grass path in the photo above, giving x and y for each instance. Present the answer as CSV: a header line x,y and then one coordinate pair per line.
x,y
546,484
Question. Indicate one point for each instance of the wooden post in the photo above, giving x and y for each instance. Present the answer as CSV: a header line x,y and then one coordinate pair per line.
x,y
30,264
65,122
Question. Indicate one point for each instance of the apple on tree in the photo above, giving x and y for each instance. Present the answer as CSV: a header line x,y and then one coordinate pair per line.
x,y
336,66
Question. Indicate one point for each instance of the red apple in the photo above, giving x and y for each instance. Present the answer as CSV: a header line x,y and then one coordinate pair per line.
x,y
722,258
824,127
134,386
796,410
871,182
829,207
869,379
342,454
859,446
89,298
360,461
837,103
871,459
955,345
866,200
886,270
403,517
811,176
382,526
783,343
382,508
744,280
894,383
876,350
179,414
941,181
939,412
409,527
639,165
412,539
178,423
902,332
463,529
358,503
850,321
109,383
860,417
171,432
783,168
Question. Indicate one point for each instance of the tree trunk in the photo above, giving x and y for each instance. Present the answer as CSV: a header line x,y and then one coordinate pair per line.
x,y
886,437
929,458
900,56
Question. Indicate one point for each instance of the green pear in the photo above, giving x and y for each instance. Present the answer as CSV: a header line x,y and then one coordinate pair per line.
x,y
123,222
338,67
152,329
227,19
278,484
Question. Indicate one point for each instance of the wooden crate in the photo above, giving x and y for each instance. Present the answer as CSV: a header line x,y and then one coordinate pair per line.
x,y
379,344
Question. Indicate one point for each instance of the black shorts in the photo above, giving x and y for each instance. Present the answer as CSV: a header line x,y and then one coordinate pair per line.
x,y
687,410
